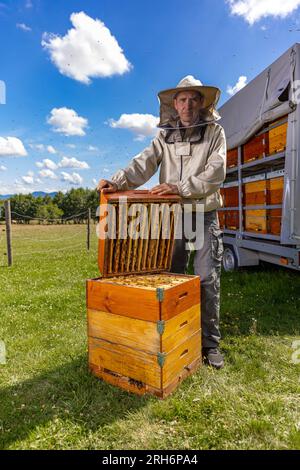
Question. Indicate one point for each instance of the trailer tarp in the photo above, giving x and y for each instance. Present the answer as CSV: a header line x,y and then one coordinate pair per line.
x,y
272,94
265,98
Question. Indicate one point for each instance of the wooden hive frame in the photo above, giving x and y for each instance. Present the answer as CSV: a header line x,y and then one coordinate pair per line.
x,y
130,251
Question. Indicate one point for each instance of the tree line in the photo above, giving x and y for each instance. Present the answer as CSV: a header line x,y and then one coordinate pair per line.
x,y
75,202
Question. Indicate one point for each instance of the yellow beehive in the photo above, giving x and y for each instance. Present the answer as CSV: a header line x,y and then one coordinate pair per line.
x,y
277,137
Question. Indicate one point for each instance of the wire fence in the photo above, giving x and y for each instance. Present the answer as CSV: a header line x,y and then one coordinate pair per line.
x,y
31,239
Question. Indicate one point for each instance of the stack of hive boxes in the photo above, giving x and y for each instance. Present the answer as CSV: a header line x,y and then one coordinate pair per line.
x,y
144,324
263,189
268,141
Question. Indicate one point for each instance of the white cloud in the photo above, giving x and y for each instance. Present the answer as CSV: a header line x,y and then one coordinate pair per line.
x,y
73,178
47,163
232,90
66,121
28,179
43,148
12,147
92,148
40,147
143,125
88,50
254,10
106,170
95,182
23,26
71,146
51,149
3,168
48,174
73,163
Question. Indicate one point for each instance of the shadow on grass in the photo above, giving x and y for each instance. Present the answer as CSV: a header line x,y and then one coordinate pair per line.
x,y
68,393
262,300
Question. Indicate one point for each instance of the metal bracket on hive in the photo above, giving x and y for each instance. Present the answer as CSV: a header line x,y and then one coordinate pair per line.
x,y
160,294
161,357
160,327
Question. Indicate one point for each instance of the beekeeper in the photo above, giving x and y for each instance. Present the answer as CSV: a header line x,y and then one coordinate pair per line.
x,y
190,152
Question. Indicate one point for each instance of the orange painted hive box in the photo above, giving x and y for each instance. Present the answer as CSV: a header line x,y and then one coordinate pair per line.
x,y
144,323
278,135
257,147
232,158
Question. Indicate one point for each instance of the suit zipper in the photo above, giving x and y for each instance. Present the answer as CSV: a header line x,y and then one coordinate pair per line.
x,y
180,168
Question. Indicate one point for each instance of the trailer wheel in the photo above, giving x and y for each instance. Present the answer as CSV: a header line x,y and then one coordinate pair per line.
x,y
230,262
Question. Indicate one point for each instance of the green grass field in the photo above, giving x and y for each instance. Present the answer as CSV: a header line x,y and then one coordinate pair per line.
x,y
48,399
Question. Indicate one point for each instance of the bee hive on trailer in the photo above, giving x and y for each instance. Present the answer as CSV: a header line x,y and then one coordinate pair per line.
x,y
256,147
144,324
278,135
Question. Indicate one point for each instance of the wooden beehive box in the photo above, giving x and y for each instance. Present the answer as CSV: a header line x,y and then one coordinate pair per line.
x,y
232,220
221,215
232,158
231,196
278,135
275,187
257,147
144,324
274,221
256,220
255,191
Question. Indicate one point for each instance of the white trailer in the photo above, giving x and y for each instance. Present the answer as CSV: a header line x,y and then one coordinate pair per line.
x,y
271,95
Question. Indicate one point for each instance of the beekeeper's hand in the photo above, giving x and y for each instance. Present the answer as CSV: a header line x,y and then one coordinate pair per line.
x,y
109,186
164,188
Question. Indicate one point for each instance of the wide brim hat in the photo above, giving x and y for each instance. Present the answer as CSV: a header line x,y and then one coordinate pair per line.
x,y
210,95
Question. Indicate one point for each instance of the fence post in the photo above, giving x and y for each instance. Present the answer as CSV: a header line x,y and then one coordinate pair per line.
x,y
8,231
88,229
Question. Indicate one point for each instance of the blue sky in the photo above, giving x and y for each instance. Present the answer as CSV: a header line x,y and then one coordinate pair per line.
x,y
82,76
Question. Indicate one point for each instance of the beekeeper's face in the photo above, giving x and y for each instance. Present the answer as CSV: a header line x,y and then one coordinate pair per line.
x,y
188,105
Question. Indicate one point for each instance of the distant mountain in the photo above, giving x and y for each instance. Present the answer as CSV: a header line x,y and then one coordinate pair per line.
x,y
42,193
35,194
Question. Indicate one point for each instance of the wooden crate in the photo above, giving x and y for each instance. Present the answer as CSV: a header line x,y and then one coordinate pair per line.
x,y
274,221
231,196
144,324
257,147
232,158
278,136
255,193
232,220
256,220
221,216
275,190
144,332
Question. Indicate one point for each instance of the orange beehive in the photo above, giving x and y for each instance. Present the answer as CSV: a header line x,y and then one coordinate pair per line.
x,y
144,329
275,190
278,135
232,220
232,158
256,147
221,215
255,193
231,196
256,220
